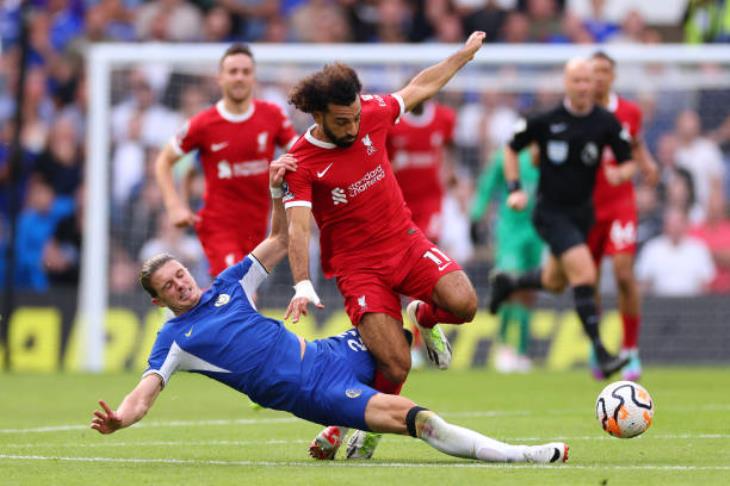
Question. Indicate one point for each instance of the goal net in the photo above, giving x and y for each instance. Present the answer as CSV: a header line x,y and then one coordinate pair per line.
x,y
139,95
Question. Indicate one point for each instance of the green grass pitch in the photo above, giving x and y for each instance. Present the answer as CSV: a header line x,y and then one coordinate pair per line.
x,y
200,432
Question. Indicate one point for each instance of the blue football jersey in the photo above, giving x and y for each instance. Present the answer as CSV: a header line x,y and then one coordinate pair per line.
x,y
224,337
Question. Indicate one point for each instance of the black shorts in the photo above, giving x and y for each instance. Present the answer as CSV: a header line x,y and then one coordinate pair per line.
x,y
562,227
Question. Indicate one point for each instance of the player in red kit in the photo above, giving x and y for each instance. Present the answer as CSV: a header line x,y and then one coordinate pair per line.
x,y
235,140
614,231
368,240
417,148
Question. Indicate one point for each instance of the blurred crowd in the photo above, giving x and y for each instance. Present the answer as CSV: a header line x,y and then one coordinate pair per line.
x,y
688,132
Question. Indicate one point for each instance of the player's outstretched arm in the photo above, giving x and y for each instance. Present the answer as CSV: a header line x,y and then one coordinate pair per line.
x,y
177,210
299,232
429,81
132,409
271,251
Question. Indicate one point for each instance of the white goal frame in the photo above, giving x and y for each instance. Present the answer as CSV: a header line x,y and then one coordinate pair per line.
x,y
102,58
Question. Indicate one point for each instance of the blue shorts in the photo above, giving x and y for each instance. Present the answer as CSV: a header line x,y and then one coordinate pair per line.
x,y
336,373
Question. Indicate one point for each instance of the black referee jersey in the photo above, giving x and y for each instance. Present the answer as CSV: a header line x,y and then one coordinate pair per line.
x,y
571,149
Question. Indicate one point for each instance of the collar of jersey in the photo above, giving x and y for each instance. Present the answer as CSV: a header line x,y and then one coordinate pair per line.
x,y
206,297
429,110
567,107
233,117
315,141
612,102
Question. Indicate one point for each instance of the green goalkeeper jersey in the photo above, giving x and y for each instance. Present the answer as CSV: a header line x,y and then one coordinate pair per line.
x,y
492,183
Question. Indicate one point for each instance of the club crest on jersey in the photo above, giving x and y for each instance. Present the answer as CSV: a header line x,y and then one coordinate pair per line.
x,y
353,392
557,151
369,144
589,154
222,300
361,302
262,140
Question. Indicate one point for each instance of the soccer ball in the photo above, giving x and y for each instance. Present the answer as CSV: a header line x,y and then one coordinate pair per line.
x,y
624,409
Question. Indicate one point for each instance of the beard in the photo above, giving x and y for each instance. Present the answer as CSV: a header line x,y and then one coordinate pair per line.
x,y
341,142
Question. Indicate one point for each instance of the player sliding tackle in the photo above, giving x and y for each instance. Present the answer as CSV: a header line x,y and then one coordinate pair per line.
x,y
219,333
369,241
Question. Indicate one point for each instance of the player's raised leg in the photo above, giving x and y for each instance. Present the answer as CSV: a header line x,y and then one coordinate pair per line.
x,y
445,295
399,415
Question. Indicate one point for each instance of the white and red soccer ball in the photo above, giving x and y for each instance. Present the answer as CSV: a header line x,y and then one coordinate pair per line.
x,y
624,409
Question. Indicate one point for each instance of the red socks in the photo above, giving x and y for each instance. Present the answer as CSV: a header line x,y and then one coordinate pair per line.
x,y
429,315
384,385
631,331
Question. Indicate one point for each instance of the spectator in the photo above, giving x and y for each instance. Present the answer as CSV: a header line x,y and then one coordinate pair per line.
x,y
482,15
516,28
252,16
62,253
715,232
707,21
128,162
217,26
36,224
319,21
170,20
633,29
600,28
60,163
700,156
158,123
393,22
650,215
675,264
544,20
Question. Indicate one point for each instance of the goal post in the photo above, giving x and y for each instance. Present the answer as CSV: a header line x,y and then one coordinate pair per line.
x,y
503,68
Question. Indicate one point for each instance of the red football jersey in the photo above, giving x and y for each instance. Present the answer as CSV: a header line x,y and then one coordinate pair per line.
x,y
235,152
609,200
352,191
416,151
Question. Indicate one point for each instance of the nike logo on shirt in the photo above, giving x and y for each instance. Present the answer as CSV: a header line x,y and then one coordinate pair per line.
x,y
190,332
218,146
442,267
322,173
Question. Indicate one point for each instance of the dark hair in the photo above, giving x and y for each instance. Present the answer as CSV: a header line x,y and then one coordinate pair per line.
x,y
605,57
237,48
336,83
149,267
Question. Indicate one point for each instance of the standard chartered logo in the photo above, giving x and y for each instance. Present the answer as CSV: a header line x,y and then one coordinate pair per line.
x,y
338,196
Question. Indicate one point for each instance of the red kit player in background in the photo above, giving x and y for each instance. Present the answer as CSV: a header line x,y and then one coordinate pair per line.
x,y
614,231
235,139
418,151
368,240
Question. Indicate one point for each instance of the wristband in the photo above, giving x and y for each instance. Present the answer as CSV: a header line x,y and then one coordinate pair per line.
x,y
306,289
513,186
276,192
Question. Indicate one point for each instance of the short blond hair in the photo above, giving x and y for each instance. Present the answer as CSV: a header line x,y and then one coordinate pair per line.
x,y
149,267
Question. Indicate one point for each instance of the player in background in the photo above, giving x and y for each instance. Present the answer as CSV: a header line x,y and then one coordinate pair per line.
x,y
518,249
235,140
368,241
419,149
571,139
219,333
614,231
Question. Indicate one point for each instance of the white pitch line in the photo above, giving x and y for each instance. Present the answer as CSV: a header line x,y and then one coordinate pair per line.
x,y
298,441
291,420
353,464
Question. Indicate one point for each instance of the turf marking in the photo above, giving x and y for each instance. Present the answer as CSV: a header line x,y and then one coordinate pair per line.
x,y
352,464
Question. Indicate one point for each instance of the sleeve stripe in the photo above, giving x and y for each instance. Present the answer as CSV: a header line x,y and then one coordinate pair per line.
x,y
176,147
158,373
293,204
402,105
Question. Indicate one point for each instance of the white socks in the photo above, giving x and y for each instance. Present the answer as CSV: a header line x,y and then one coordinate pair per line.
x,y
460,442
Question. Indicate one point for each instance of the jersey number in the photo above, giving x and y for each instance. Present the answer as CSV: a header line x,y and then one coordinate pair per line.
x,y
438,257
